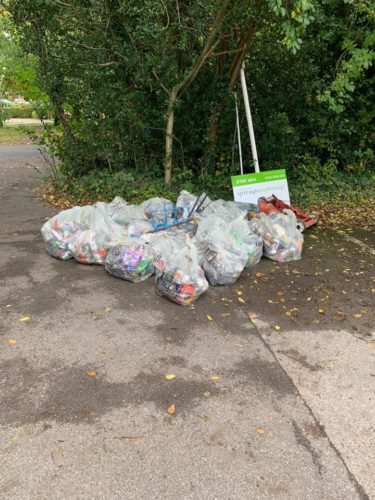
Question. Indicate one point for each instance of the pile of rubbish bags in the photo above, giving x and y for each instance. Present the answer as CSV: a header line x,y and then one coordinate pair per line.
x,y
185,248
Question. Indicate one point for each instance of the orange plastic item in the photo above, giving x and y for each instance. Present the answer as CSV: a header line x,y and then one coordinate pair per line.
x,y
273,204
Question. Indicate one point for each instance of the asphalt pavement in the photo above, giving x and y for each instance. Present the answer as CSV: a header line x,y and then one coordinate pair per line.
x,y
273,394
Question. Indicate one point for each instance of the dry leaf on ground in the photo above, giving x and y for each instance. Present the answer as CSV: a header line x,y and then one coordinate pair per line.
x,y
171,409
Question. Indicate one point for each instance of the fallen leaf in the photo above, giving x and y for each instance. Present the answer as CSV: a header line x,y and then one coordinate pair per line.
x,y
241,300
170,376
330,365
209,318
215,377
12,341
25,318
238,292
91,373
8,305
206,394
207,418
171,409
371,345
277,327
260,430
357,315
321,311
252,315
108,309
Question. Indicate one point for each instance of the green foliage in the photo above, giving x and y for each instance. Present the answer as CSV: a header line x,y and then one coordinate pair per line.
x,y
108,69
19,111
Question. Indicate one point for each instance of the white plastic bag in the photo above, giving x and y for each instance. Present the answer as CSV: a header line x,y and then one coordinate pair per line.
x,y
182,279
130,260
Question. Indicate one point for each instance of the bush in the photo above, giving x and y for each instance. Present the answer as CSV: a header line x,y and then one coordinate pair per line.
x,y
19,111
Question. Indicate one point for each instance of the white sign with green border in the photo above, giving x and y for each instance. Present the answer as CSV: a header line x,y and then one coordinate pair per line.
x,y
248,188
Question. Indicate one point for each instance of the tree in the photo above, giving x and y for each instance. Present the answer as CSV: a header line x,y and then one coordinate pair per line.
x,y
128,78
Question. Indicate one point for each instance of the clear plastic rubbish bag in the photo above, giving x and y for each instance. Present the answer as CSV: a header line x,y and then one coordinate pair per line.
x,y
182,279
282,241
253,243
116,205
137,228
90,246
226,210
130,260
124,214
186,201
60,231
163,246
224,258
154,206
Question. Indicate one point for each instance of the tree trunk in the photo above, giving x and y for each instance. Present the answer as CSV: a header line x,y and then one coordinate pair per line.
x,y
169,138
185,83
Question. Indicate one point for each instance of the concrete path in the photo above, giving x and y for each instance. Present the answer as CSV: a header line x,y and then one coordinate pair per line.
x,y
288,414
15,122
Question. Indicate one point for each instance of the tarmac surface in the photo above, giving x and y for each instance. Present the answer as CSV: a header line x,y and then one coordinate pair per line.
x,y
274,376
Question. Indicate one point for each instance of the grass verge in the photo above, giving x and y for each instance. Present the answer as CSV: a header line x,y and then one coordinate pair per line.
x,y
18,135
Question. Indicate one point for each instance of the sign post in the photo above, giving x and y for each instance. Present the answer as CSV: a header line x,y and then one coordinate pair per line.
x,y
249,119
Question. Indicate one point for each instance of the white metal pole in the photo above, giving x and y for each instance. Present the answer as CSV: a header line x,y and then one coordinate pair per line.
x,y
239,135
249,119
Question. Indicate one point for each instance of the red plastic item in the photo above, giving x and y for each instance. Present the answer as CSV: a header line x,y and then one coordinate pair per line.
x,y
273,204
